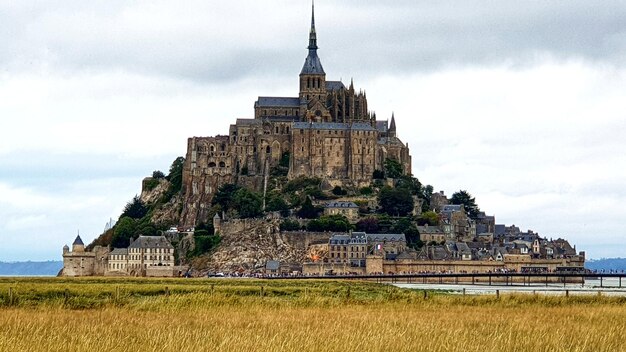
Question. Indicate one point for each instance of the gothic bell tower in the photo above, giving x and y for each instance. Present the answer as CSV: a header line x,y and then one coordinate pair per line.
x,y
312,76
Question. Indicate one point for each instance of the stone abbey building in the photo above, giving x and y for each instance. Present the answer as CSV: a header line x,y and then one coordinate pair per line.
x,y
326,130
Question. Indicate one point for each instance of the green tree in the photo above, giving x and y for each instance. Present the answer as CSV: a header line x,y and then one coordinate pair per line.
x,y
378,175
284,160
427,194
395,201
124,231
204,244
247,203
366,191
411,184
393,168
308,211
135,209
289,225
224,196
368,224
337,223
157,174
409,230
338,191
176,174
464,198
276,202
428,218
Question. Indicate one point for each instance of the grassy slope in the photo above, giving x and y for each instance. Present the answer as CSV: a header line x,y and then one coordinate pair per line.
x,y
304,316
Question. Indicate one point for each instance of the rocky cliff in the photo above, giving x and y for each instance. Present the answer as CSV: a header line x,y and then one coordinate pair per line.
x,y
247,244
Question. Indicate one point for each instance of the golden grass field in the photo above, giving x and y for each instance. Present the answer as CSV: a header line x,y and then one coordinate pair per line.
x,y
231,315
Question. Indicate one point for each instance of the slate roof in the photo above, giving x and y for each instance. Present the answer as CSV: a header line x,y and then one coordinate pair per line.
x,y
433,253
312,64
430,229
359,126
272,265
341,205
450,208
290,118
386,237
334,85
382,126
119,251
278,101
390,140
78,241
151,242
241,122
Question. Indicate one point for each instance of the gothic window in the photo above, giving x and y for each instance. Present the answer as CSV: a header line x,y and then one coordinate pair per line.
x,y
222,164
276,129
301,131
287,128
212,148
212,164
268,149
223,147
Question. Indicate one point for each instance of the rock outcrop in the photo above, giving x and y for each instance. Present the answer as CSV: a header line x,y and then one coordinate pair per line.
x,y
247,244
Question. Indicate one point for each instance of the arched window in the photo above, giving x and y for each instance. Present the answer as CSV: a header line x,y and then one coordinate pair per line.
x,y
222,164
212,148
223,147
212,164
268,149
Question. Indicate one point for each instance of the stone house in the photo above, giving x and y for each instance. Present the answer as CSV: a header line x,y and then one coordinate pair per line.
x,y
348,248
348,209
430,234
145,256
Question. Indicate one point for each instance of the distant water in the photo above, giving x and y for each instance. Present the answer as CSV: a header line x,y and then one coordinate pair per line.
x,y
30,268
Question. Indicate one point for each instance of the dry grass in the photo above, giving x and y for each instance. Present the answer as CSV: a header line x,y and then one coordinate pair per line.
x,y
296,316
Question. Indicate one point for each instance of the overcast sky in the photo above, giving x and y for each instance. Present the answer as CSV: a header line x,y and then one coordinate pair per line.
x,y
522,103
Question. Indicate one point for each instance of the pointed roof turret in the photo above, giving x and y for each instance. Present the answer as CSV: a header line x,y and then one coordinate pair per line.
x,y
78,241
392,127
312,64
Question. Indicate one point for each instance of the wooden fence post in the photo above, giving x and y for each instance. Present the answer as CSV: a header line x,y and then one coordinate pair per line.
x,y
261,291
167,292
117,294
66,296
498,294
425,294
10,296
463,291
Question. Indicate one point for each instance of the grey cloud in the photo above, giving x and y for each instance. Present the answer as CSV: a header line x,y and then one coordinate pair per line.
x,y
219,42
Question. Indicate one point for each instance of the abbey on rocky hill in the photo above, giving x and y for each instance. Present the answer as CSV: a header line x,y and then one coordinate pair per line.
x,y
326,131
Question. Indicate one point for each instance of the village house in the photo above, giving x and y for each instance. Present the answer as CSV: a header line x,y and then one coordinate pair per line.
x,y
348,209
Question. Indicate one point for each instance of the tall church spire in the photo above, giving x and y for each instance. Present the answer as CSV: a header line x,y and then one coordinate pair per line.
x,y
312,64
312,34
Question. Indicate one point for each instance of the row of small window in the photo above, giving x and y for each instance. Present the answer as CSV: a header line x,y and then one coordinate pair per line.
x,y
344,255
347,248
336,132
152,250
